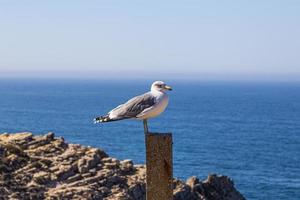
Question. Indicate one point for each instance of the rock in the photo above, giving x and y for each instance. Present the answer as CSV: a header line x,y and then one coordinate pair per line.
x,y
192,181
82,168
181,191
137,191
41,177
65,171
219,187
18,138
126,165
46,167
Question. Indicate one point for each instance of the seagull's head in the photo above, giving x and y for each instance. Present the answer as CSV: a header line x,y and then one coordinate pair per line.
x,y
160,86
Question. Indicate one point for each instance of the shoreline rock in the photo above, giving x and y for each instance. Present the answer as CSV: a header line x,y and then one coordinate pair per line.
x,y
46,167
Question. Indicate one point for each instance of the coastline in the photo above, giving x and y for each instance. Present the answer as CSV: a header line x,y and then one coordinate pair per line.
x,y
46,167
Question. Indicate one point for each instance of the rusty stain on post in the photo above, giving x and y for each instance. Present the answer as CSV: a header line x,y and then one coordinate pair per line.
x,y
159,164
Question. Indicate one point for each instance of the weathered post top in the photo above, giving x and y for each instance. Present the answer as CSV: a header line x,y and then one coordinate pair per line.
x,y
159,164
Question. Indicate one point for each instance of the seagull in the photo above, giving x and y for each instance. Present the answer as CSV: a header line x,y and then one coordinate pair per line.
x,y
142,107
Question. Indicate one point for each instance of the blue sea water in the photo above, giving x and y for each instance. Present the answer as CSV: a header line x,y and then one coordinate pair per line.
x,y
248,131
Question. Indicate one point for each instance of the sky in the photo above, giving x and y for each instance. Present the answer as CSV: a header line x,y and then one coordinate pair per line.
x,y
242,39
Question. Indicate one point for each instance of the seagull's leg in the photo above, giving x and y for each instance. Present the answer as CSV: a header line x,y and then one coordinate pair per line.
x,y
145,126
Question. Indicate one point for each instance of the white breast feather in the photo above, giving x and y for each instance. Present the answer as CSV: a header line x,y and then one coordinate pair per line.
x,y
157,109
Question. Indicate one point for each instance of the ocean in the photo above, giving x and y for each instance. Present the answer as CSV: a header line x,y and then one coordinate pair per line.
x,y
248,131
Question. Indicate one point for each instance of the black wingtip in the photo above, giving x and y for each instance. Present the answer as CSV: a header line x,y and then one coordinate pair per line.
x,y
101,119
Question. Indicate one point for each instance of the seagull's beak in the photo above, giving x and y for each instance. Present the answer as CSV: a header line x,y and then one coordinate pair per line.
x,y
168,87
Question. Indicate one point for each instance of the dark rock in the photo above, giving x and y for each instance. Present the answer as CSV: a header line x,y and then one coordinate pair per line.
x,y
126,165
192,181
137,191
42,177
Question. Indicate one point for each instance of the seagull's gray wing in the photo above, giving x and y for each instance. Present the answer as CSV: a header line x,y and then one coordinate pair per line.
x,y
133,107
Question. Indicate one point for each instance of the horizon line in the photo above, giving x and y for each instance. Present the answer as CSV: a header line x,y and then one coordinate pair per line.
x,y
147,75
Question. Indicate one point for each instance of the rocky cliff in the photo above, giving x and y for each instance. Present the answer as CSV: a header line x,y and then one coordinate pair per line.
x,y
46,167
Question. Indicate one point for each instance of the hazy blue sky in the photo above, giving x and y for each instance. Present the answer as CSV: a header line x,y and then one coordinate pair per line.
x,y
254,39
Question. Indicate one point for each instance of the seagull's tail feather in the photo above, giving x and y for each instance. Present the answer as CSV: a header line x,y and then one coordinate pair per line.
x,y
102,119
